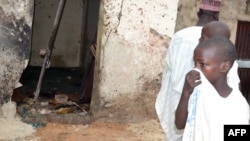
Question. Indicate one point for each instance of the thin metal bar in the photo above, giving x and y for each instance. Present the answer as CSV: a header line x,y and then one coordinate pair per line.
x,y
50,47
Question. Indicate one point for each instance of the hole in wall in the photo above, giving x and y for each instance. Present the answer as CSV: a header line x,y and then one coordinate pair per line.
x,y
74,82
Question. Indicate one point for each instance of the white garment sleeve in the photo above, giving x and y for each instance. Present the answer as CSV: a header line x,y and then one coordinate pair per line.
x,y
233,79
180,60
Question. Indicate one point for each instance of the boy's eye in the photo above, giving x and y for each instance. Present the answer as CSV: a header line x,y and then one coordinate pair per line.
x,y
202,64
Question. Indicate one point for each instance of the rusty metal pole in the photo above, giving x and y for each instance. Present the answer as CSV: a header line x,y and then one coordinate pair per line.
x,y
50,47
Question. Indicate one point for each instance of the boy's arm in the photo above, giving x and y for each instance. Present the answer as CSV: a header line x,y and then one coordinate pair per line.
x,y
182,108
181,111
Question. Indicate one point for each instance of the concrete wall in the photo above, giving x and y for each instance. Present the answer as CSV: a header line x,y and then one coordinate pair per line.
x,y
231,12
132,41
133,37
67,45
15,43
187,13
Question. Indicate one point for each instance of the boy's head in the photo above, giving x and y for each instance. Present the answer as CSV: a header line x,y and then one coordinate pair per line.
x,y
214,57
214,28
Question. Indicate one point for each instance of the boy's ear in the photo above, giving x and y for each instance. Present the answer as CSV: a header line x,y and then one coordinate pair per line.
x,y
225,66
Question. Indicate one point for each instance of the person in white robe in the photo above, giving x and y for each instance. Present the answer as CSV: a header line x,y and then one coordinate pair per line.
x,y
178,61
212,102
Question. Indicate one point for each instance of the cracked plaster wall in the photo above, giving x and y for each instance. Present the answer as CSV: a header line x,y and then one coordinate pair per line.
x,y
133,37
131,46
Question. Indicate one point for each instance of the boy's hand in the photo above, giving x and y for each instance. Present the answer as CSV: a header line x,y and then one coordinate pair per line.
x,y
192,80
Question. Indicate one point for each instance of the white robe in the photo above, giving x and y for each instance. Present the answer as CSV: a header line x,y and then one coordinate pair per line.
x,y
179,61
208,112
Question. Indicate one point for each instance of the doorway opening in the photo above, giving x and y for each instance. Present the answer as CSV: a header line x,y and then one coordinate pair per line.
x,y
242,46
74,83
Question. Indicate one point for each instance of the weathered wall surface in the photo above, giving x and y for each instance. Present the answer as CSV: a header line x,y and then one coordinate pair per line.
x,y
15,43
231,12
187,13
67,45
132,41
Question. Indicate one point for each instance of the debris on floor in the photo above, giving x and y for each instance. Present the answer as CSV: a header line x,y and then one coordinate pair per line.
x,y
58,98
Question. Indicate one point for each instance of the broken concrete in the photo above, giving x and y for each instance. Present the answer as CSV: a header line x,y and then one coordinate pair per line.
x,y
15,43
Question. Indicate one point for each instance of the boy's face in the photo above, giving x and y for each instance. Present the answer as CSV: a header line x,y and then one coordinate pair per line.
x,y
208,62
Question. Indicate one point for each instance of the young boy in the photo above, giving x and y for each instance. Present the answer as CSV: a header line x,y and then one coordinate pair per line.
x,y
170,94
207,102
217,28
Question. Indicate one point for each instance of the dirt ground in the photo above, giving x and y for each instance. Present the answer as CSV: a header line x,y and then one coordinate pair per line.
x,y
101,131
94,130
14,127
97,130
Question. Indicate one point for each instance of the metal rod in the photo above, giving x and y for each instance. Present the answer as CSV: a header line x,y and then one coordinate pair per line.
x,y
50,47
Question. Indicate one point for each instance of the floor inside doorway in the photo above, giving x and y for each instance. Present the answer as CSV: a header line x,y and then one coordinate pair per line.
x,y
56,81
